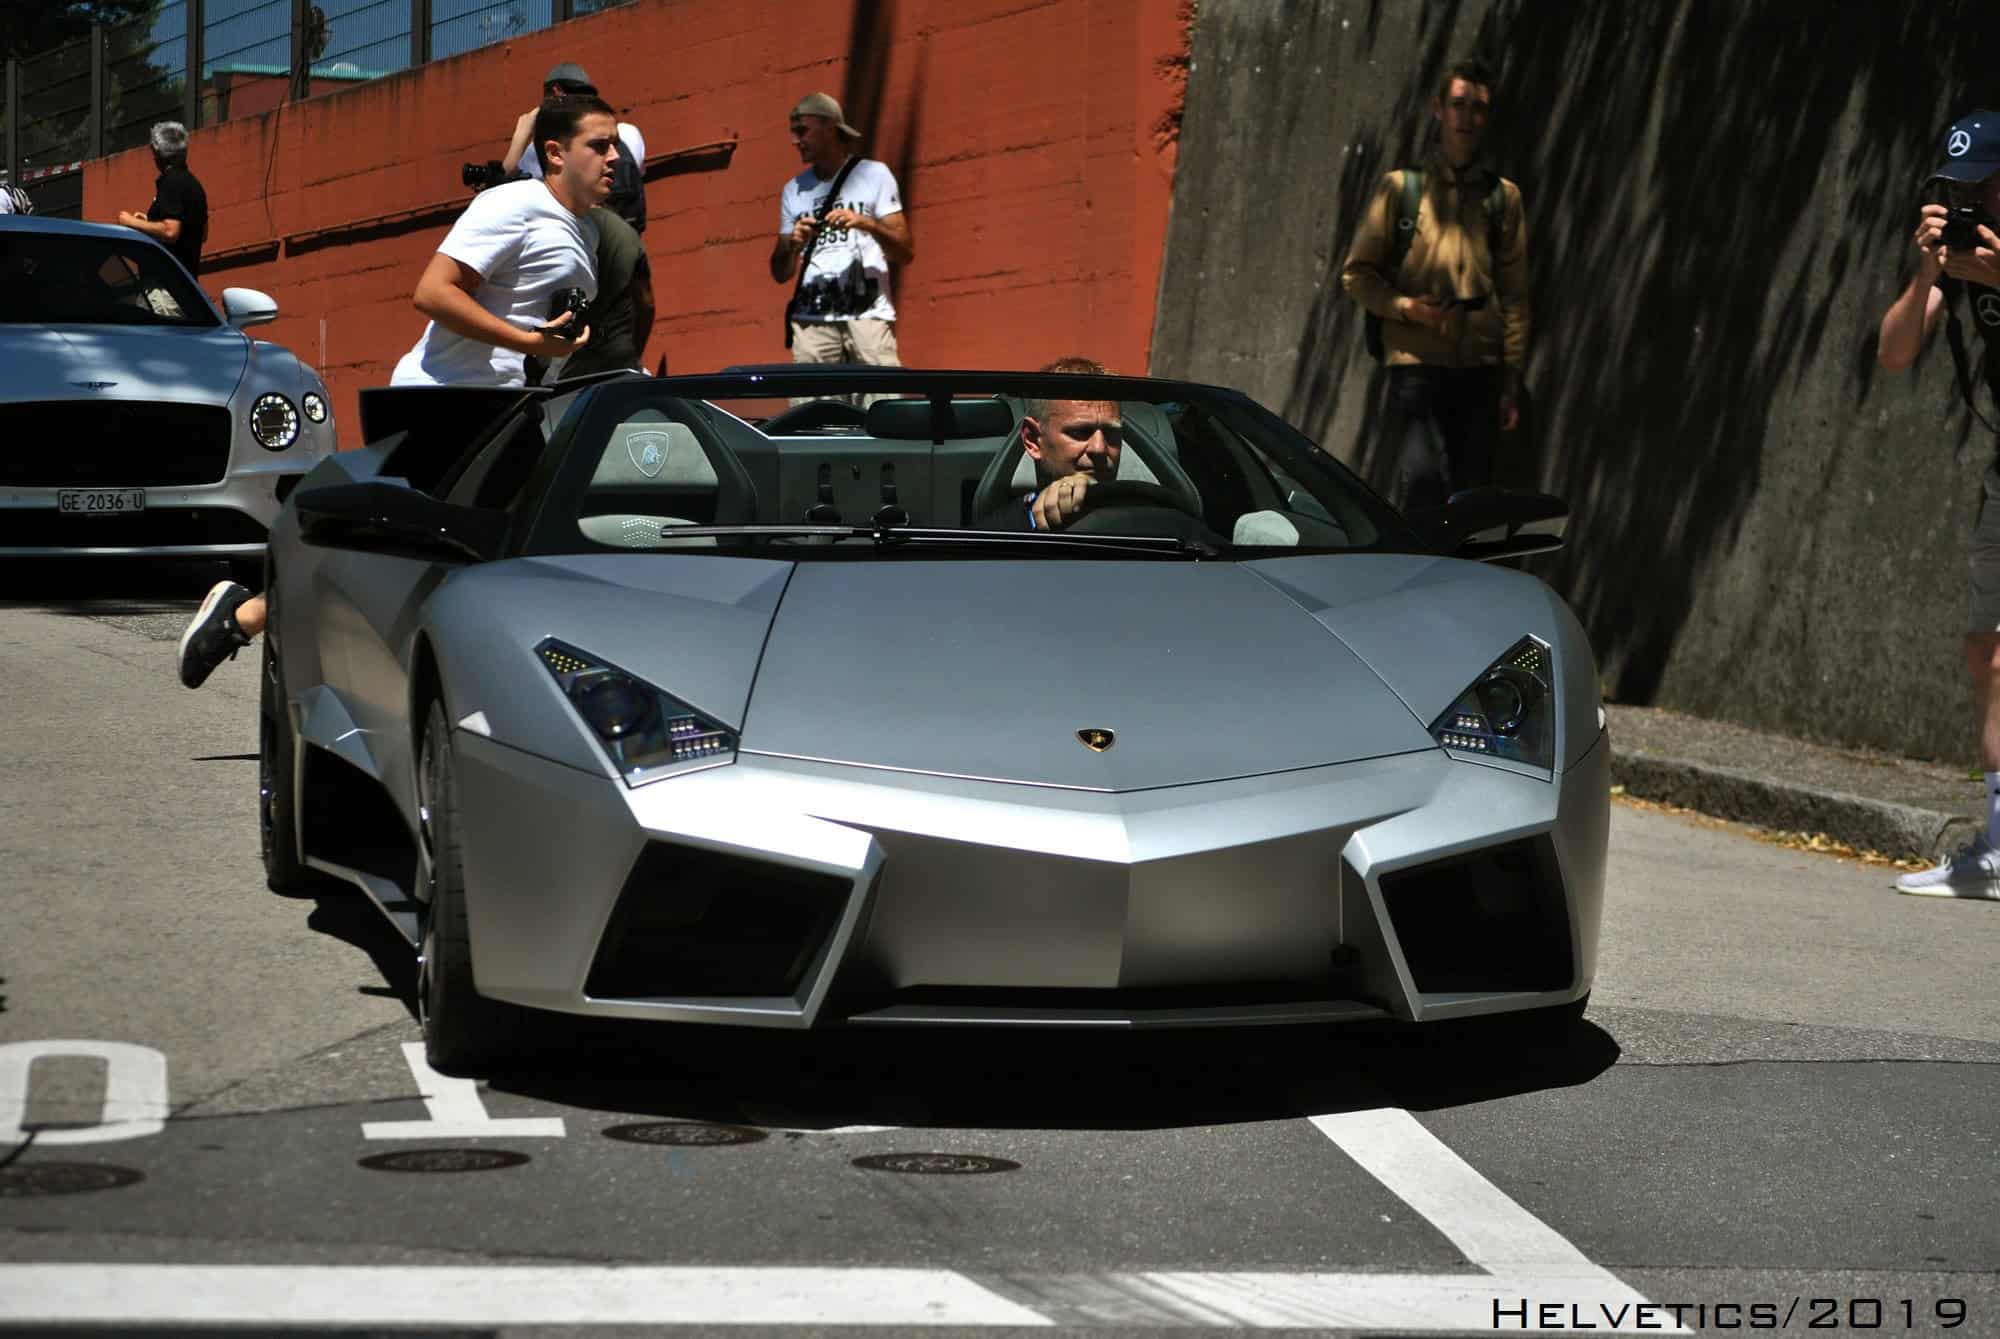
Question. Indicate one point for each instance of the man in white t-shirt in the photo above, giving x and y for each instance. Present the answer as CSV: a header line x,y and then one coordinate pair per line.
x,y
487,292
628,195
518,245
843,312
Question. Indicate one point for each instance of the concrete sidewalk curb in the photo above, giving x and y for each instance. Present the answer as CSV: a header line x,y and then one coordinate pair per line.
x,y
1772,802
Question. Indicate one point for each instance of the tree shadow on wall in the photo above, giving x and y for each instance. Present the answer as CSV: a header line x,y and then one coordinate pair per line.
x,y
864,94
1686,262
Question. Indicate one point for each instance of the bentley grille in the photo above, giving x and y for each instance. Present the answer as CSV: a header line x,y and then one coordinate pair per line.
x,y
112,444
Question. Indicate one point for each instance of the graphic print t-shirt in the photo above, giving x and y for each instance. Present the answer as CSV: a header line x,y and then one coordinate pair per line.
x,y
526,247
848,276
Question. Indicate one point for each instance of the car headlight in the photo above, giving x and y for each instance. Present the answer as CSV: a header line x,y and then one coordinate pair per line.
x,y
1508,712
646,733
273,422
315,406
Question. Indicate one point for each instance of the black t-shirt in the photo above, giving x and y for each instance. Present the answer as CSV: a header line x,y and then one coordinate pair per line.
x,y
177,195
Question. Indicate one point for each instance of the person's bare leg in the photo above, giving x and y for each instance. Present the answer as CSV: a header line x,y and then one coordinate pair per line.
x,y
1974,870
228,618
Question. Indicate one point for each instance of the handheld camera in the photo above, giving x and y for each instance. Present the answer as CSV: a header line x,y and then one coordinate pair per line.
x,y
478,176
575,301
1961,229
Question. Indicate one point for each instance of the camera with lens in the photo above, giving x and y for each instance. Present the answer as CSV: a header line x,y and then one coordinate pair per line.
x,y
478,176
574,301
1961,228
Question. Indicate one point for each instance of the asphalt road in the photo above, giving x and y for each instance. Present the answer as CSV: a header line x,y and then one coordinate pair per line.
x,y
1786,1096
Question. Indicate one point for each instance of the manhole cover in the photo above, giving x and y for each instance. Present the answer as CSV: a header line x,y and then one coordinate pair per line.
x,y
936,1164
63,1178
684,1134
444,1160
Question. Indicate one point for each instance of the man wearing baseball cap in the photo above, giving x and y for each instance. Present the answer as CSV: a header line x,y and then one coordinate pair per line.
x,y
628,187
1958,253
840,226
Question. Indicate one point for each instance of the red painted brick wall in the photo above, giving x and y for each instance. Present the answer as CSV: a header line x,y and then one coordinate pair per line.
x,y
1026,136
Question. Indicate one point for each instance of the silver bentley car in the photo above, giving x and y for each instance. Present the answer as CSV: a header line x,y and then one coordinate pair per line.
x,y
135,418
718,699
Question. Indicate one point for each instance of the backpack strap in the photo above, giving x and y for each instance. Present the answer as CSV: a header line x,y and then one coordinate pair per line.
x,y
1405,230
1496,220
1961,363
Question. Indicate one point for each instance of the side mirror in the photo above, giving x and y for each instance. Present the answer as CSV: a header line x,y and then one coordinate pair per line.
x,y
1482,524
247,307
390,519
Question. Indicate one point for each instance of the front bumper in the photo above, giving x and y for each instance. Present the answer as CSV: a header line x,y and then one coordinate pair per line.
x,y
230,518
1413,887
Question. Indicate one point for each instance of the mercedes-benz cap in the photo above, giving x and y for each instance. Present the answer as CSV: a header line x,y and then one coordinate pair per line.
x,y
1971,147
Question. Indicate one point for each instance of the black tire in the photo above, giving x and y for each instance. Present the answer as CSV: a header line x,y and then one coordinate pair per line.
x,y
277,798
464,1032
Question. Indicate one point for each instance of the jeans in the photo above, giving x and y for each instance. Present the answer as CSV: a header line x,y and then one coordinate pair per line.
x,y
1444,423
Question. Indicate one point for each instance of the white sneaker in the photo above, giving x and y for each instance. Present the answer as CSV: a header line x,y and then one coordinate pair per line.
x,y
1973,870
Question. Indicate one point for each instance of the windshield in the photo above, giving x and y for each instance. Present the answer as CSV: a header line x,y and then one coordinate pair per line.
x,y
1058,465
73,280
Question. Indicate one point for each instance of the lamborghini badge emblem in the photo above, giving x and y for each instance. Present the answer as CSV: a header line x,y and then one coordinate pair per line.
x,y
648,451
1096,740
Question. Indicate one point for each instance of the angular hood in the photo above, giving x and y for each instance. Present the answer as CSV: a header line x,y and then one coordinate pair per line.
x,y
1201,671
39,362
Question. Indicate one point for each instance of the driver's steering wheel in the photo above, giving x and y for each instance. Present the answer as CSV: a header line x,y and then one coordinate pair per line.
x,y
1117,502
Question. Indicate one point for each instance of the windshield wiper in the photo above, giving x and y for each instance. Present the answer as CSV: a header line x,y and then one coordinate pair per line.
x,y
888,536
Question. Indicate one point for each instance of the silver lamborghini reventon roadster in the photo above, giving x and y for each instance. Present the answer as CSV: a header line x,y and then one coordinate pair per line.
x,y
713,699
136,418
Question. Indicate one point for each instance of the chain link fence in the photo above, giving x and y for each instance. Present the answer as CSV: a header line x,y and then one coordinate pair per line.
x,y
101,91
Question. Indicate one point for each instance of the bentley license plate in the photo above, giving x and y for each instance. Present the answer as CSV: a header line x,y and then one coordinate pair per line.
x,y
100,501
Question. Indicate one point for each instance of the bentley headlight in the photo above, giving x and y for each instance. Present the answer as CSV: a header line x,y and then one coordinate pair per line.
x,y
646,733
315,406
273,422
1508,712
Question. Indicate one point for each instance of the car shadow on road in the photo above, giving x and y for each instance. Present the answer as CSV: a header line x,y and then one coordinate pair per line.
x,y
998,1079
106,587
344,912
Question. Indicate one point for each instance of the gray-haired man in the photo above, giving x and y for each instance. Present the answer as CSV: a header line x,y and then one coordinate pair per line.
x,y
178,215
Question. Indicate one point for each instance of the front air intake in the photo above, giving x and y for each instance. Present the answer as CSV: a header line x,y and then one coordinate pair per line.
x,y
693,922
1490,920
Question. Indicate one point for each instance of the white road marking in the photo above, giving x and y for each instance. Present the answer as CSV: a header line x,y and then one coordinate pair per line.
x,y
1529,1261
470,1295
1377,1303
780,1120
827,1295
1491,1230
135,1090
456,1111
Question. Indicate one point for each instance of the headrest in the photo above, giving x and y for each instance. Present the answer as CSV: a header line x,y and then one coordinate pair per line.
x,y
912,420
649,449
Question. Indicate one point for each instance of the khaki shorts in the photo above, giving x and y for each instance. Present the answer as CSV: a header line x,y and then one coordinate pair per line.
x,y
1983,560
865,341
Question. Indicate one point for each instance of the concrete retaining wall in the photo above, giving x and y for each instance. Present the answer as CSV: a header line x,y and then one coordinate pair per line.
x,y
1765,528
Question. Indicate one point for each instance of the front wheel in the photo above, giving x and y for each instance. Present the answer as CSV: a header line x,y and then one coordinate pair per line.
x,y
464,1032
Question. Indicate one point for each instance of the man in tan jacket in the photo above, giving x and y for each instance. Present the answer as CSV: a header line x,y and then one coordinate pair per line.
x,y
1442,262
